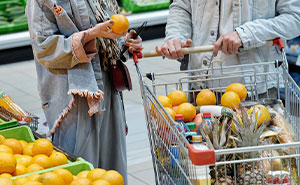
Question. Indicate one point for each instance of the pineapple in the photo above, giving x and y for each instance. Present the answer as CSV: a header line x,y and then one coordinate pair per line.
x,y
219,138
247,135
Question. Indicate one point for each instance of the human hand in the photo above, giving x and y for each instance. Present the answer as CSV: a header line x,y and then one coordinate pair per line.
x,y
172,48
103,30
229,43
135,45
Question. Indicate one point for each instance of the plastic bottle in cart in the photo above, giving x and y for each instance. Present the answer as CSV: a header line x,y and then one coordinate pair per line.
x,y
202,172
182,127
207,117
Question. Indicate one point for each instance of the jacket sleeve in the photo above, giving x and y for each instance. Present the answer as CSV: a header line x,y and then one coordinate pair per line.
x,y
285,25
179,25
51,47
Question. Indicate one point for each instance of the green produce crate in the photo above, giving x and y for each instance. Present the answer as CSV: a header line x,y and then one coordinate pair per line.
x,y
19,133
75,168
12,27
9,124
136,6
25,133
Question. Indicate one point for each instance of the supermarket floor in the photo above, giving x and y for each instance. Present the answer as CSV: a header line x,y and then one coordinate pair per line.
x,y
20,82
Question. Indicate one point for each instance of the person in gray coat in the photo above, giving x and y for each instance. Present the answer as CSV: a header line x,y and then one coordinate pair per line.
x,y
238,28
73,48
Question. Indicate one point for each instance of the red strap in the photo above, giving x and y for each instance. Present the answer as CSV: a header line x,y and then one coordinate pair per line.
x,y
278,42
201,157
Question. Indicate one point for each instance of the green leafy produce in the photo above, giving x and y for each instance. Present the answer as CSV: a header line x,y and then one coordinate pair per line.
x,y
12,12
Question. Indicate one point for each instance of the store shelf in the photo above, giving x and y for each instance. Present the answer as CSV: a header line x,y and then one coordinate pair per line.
x,y
20,39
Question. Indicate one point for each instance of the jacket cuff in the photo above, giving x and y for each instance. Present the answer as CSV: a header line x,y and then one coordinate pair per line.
x,y
83,50
246,37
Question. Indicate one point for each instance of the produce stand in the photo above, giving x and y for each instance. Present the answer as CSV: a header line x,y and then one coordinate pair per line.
x,y
176,161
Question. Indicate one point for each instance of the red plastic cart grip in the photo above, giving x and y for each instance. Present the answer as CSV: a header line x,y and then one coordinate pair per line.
x,y
201,157
136,57
278,42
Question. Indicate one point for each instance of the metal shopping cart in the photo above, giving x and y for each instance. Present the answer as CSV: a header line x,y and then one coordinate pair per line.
x,y
175,161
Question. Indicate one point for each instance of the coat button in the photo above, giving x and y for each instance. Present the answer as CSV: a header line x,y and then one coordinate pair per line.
x,y
205,62
212,33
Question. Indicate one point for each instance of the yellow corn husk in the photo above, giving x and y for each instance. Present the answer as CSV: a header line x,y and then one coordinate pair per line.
x,y
7,103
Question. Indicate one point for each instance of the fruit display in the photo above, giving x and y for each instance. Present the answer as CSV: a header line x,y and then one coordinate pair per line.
x,y
61,176
18,157
227,124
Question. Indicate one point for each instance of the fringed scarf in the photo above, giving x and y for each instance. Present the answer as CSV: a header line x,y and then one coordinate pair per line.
x,y
109,49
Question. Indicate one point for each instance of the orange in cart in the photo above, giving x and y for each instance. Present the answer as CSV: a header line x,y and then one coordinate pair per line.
x,y
34,168
6,181
51,178
28,149
165,101
5,149
20,170
206,97
81,181
96,174
42,146
58,158
65,174
2,139
24,159
20,181
178,97
239,89
113,177
171,112
231,100
7,163
187,110
15,145
42,160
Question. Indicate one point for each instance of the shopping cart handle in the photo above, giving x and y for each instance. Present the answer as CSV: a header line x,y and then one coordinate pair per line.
x,y
196,49
201,157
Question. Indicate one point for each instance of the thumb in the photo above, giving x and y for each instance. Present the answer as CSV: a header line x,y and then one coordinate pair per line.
x,y
130,34
188,43
108,23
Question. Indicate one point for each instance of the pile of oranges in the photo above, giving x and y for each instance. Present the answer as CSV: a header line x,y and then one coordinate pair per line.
x,y
64,177
176,101
17,157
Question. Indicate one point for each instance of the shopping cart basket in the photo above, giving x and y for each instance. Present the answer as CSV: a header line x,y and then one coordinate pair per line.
x,y
175,160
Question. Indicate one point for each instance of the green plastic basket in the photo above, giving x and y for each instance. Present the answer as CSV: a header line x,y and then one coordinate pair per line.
x,y
9,124
134,7
12,27
19,133
75,168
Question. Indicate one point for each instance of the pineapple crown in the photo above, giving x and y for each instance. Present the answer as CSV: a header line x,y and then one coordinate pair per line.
x,y
247,131
216,137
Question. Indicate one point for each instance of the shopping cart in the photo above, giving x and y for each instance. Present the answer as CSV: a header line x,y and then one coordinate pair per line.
x,y
175,160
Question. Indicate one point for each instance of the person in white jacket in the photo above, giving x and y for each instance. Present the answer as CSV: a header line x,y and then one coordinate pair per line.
x,y
238,28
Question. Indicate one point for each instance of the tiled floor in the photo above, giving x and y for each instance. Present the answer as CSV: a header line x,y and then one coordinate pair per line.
x,y
19,81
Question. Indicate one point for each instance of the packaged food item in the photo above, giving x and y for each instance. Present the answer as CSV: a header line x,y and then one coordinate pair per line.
x,y
279,177
7,103
286,134
272,164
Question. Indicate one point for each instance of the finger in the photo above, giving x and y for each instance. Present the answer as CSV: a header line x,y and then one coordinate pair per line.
x,y
177,45
131,33
165,51
108,23
134,45
188,43
236,47
217,46
230,47
172,50
158,50
225,46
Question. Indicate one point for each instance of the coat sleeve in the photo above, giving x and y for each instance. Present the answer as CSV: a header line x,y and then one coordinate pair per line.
x,y
285,25
51,47
179,25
